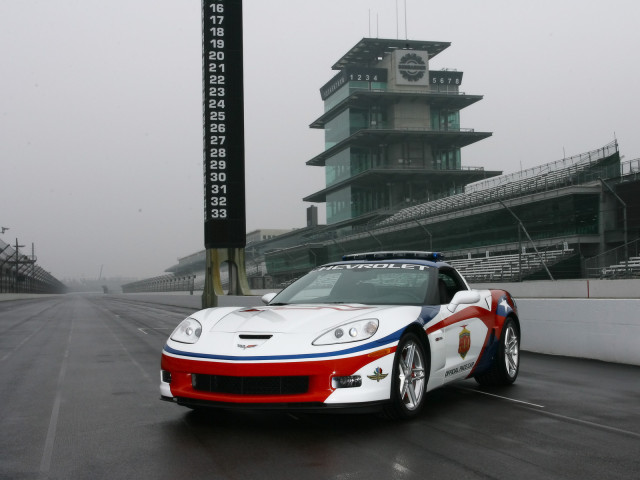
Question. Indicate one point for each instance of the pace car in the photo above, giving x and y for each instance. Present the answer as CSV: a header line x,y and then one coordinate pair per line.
x,y
375,330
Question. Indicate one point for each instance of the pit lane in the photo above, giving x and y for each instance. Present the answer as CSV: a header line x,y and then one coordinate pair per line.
x,y
79,377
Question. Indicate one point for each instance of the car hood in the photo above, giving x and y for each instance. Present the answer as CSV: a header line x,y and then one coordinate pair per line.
x,y
277,331
292,318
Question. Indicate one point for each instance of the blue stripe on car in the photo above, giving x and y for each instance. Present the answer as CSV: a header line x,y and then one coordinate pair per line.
x,y
394,337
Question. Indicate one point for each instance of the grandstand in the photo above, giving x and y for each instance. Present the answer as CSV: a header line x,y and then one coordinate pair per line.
x,y
576,170
562,210
19,273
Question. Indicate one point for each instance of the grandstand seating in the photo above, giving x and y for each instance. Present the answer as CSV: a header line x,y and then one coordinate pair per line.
x,y
623,269
505,267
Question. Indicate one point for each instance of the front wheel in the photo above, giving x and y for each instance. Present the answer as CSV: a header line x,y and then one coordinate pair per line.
x,y
506,364
410,376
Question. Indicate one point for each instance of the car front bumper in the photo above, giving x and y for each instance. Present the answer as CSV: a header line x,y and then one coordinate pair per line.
x,y
292,384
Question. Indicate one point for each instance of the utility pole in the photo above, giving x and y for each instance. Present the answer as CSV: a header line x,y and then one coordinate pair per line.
x,y
17,266
428,233
624,220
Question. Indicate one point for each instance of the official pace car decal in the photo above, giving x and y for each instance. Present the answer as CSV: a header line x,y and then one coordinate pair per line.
x,y
462,368
377,375
464,344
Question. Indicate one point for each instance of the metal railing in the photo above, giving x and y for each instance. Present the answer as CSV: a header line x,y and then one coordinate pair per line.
x,y
630,167
586,158
162,283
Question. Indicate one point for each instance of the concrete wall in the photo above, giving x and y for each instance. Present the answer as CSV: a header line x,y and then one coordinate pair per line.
x,y
597,319
602,329
569,288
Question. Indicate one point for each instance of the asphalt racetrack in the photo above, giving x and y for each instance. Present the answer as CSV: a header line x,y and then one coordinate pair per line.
x,y
79,400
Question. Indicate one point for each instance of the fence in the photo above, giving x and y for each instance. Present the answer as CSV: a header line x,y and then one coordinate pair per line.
x,y
163,283
19,273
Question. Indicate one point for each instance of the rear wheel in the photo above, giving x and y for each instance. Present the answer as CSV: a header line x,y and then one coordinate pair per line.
x,y
410,376
506,364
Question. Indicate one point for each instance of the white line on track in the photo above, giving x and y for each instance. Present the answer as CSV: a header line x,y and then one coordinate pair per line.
x,y
557,415
45,462
501,397
593,424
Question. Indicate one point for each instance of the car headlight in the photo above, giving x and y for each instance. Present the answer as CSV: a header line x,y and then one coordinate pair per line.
x,y
188,331
349,332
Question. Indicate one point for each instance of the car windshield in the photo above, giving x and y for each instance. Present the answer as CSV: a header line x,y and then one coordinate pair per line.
x,y
367,283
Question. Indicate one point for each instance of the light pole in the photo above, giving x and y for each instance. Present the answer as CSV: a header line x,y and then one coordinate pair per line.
x,y
544,264
428,233
624,219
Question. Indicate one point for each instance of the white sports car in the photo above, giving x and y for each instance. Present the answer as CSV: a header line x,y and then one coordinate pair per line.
x,y
376,330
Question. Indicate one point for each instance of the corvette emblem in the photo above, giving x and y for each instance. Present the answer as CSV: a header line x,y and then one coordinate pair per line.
x,y
244,347
377,375
464,342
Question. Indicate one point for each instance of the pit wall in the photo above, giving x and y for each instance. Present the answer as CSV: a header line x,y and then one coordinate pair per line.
x,y
596,319
600,329
569,288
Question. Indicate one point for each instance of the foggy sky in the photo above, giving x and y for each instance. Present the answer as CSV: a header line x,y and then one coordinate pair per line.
x,y
101,116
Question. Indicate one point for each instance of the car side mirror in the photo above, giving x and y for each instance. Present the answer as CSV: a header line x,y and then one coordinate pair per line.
x,y
463,297
267,297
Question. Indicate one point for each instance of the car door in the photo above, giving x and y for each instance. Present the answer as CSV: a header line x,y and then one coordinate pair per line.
x,y
464,331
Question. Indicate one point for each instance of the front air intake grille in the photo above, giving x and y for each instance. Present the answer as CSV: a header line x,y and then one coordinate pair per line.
x,y
250,385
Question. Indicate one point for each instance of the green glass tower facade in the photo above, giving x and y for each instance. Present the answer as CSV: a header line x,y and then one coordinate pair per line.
x,y
392,131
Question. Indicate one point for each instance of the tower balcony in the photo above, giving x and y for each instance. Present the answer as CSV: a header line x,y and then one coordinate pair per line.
x,y
385,98
371,137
